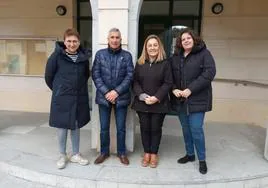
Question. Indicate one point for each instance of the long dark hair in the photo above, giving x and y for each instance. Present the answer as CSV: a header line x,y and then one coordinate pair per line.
x,y
196,38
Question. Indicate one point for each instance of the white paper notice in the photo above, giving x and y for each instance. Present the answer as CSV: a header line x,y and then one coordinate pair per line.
x,y
14,48
40,47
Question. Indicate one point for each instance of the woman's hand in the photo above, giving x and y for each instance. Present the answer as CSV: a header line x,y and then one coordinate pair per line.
x,y
176,92
186,93
151,100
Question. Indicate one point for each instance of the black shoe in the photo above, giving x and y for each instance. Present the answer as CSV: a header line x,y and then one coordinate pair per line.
x,y
186,159
203,167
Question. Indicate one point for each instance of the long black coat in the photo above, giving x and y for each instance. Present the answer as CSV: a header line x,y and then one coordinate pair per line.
x,y
68,82
154,79
196,73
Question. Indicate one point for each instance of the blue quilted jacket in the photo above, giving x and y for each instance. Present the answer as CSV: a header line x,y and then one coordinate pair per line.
x,y
113,70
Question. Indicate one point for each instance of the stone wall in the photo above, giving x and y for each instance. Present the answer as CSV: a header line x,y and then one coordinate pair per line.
x,y
238,39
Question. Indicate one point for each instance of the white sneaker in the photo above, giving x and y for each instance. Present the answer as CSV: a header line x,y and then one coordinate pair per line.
x,y
62,162
77,158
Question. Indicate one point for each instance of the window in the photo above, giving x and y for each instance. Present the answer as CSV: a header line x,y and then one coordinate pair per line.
x,y
24,56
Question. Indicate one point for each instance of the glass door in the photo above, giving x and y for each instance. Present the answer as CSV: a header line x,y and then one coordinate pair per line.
x,y
166,18
150,26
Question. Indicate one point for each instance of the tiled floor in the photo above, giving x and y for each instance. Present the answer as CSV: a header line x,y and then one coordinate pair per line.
x,y
234,156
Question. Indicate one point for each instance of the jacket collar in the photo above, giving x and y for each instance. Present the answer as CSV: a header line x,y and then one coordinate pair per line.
x,y
114,51
84,54
196,48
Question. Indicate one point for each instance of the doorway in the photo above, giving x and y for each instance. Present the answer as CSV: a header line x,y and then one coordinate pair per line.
x,y
84,27
166,18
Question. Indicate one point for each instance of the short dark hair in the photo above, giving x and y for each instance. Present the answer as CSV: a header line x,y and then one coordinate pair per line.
x,y
71,32
196,38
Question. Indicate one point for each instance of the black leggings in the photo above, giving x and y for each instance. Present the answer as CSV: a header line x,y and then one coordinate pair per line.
x,y
151,130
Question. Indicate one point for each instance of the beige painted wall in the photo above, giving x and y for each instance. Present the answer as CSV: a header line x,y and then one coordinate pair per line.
x,y
30,18
238,39
34,18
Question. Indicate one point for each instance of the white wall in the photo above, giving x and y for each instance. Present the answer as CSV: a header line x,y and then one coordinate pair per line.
x,y
108,14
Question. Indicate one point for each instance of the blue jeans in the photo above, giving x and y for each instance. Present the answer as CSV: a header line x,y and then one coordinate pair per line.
x,y
120,119
75,138
193,133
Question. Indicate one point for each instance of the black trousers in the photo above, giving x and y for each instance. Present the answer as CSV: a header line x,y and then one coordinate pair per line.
x,y
151,130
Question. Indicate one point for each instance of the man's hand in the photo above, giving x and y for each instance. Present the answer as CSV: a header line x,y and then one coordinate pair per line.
x,y
111,96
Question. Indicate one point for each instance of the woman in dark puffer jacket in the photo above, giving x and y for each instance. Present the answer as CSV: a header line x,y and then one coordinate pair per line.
x,y
193,69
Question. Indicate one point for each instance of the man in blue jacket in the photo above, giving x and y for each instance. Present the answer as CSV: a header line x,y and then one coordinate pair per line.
x,y
112,73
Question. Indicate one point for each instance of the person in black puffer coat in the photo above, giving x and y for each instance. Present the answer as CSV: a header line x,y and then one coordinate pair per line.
x,y
193,69
152,83
67,73
112,73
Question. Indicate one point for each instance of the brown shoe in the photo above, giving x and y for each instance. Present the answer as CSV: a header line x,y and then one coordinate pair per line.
x,y
146,159
154,161
123,159
101,158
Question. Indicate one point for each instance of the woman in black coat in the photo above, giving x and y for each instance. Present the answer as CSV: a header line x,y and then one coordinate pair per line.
x,y
193,69
152,82
67,73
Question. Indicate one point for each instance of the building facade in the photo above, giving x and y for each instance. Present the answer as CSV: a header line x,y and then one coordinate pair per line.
x,y
237,37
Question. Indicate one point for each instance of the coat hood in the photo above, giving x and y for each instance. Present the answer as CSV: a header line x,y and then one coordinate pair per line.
x,y
199,47
83,54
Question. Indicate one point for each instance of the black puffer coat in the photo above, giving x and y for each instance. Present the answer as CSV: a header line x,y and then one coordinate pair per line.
x,y
196,73
113,70
68,82
155,80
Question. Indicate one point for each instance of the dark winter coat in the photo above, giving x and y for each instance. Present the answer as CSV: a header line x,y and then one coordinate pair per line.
x,y
196,73
68,82
154,79
113,70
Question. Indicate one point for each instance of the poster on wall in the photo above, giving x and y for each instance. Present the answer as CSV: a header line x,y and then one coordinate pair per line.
x,y
3,57
13,64
14,48
25,56
40,47
50,47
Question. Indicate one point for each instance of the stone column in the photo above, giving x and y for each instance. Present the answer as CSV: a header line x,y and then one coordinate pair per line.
x,y
266,142
107,14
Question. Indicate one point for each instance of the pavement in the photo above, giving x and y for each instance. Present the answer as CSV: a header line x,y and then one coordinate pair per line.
x,y
29,151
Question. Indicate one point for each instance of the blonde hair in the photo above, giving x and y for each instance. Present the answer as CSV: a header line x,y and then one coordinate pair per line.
x,y
145,56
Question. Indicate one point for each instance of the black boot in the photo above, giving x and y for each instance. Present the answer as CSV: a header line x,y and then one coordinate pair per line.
x,y
203,167
186,159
